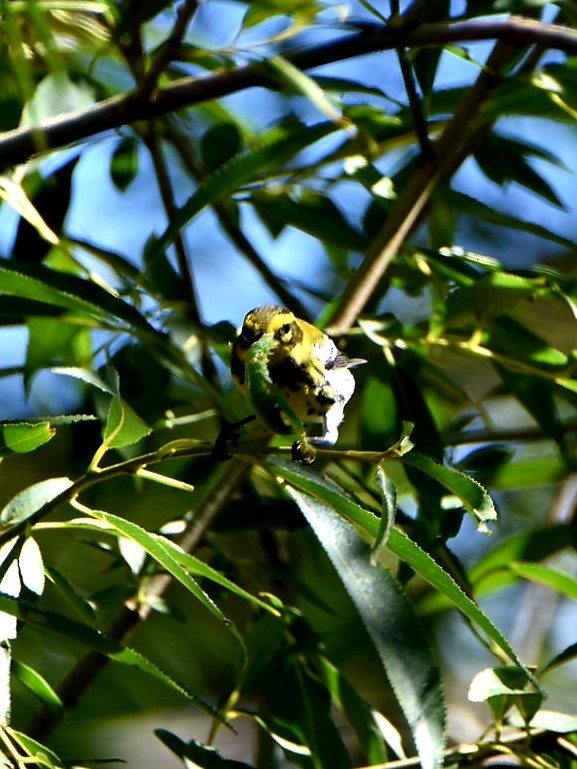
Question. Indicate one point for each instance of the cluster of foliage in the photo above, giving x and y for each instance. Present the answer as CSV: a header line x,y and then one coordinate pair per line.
x,y
318,603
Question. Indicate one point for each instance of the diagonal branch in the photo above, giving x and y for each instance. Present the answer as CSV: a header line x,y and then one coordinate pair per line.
x,y
19,145
450,150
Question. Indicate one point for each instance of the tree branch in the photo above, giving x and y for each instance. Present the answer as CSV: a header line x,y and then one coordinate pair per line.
x,y
450,149
19,145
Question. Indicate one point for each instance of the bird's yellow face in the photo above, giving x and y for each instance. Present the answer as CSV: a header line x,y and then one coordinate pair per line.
x,y
304,367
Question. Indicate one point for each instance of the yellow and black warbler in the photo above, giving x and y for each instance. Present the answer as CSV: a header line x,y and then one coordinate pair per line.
x,y
292,374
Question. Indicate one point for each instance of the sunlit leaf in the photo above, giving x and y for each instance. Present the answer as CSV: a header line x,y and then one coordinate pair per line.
x,y
473,496
545,575
21,437
38,685
26,503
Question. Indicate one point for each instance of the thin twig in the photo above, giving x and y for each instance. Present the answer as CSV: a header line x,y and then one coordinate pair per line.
x,y
415,103
20,144
169,203
170,48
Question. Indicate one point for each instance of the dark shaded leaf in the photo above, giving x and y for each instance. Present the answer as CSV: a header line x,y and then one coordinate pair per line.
x,y
400,640
124,163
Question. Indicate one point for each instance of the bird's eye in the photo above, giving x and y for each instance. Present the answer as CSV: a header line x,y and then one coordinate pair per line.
x,y
285,333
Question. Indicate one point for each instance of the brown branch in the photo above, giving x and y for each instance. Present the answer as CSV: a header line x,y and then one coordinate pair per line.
x,y
450,150
18,145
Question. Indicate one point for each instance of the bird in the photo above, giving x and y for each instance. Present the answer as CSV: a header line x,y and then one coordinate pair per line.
x,y
293,375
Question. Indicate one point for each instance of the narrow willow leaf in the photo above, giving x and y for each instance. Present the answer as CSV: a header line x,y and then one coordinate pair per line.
x,y
309,482
391,624
360,715
124,163
196,754
567,655
70,593
478,210
305,85
473,496
84,375
547,721
38,754
42,284
61,625
240,171
38,685
312,213
191,563
163,552
31,566
492,682
28,502
219,144
21,437
389,510
545,575
16,197
5,685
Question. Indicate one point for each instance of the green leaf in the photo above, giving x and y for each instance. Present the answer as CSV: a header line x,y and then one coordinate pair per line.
x,y
15,310
548,721
39,754
50,340
38,685
538,397
54,95
262,10
426,60
535,545
72,595
61,625
21,437
502,688
308,482
391,624
473,496
28,502
42,284
503,159
123,425
545,575
312,213
567,655
219,144
299,710
31,566
301,83
196,754
241,170
360,715
124,163
470,206
389,510
166,554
